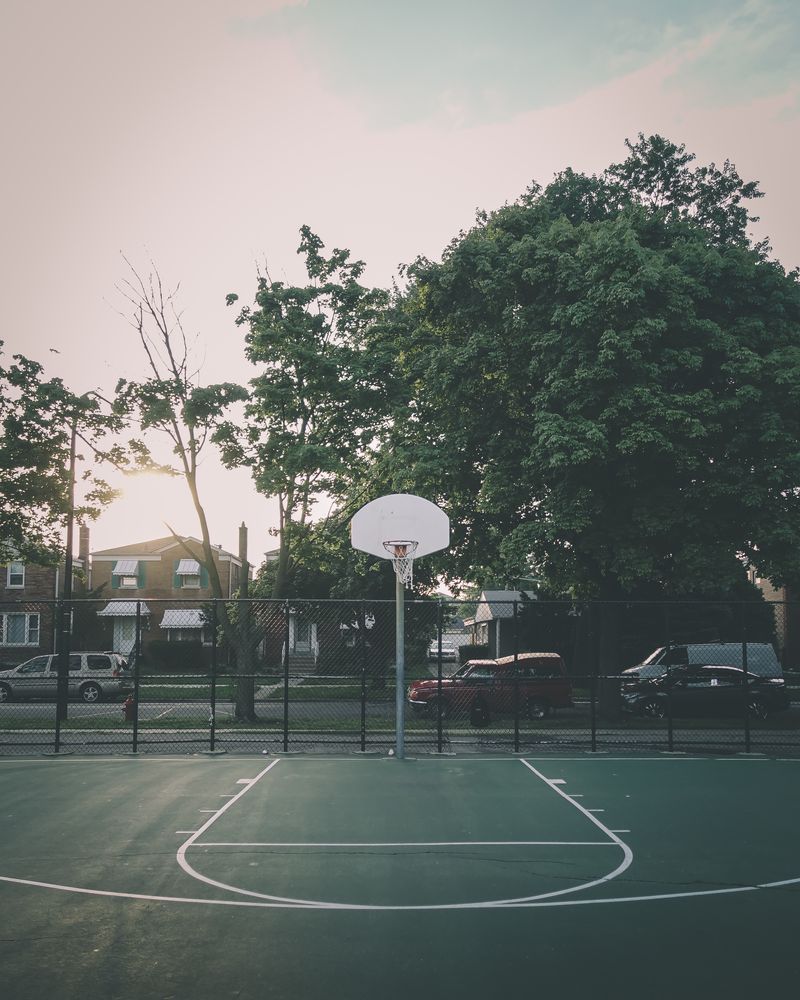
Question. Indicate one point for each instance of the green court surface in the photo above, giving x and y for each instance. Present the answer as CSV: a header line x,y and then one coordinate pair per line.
x,y
353,877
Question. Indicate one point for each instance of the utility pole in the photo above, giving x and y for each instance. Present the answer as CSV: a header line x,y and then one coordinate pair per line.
x,y
65,607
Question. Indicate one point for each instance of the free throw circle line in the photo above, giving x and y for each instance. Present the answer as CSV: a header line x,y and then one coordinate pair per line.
x,y
627,858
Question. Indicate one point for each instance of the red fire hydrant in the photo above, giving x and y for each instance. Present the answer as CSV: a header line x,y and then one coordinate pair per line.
x,y
129,708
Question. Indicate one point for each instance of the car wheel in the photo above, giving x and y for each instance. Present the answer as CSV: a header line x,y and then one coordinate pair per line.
x,y
5,693
91,693
538,709
654,708
433,708
757,708
479,714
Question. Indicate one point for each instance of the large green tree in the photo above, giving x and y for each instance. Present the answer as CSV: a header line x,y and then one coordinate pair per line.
x,y
603,385
37,417
319,398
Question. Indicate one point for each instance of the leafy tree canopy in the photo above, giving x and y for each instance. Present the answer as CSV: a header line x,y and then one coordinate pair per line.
x,y
603,385
36,419
319,397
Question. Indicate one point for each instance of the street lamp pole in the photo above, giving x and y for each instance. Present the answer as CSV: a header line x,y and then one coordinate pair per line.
x,y
65,608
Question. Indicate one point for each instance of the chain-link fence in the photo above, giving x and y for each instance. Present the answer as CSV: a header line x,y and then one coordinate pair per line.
x,y
320,676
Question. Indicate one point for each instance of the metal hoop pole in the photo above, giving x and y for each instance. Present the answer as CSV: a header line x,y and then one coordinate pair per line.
x,y
400,665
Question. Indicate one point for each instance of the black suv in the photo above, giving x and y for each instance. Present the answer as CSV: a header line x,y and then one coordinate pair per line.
x,y
706,691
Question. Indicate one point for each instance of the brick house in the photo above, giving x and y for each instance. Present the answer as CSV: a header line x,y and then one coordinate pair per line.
x,y
787,618
28,595
165,578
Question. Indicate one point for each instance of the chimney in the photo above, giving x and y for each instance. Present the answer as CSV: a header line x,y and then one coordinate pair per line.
x,y
83,545
244,583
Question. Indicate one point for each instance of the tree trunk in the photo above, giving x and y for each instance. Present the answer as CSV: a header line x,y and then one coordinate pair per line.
x,y
236,632
244,645
280,586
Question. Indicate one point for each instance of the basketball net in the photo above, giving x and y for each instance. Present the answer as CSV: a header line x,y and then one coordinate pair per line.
x,y
402,553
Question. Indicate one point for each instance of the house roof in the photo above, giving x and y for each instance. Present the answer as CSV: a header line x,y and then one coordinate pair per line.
x,y
500,603
123,609
184,618
155,546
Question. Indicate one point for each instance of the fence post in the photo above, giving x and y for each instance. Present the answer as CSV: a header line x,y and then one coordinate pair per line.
x,y
212,739
668,638
593,679
286,676
439,736
137,655
745,686
516,677
62,667
362,634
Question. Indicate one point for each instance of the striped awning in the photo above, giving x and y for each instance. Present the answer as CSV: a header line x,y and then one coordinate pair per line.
x,y
188,567
184,618
125,567
124,609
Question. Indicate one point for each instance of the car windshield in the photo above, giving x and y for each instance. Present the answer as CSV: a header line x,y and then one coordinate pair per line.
x,y
471,666
651,670
653,656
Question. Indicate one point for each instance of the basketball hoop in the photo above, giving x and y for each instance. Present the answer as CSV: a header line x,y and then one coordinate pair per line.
x,y
402,555
418,528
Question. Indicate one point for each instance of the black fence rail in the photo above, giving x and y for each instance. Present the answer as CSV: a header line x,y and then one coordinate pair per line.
x,y
147,675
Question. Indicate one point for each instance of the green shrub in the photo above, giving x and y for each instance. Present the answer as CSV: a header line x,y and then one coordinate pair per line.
x,y
176,656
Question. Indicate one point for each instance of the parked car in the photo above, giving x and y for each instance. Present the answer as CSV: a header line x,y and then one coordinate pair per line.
x,y
692,691
449,651
92,677
482,688
762,660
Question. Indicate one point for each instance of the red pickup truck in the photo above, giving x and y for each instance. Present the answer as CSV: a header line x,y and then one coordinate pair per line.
x,y
482,688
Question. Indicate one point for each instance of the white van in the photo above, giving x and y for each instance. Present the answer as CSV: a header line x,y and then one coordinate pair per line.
x,y
761,658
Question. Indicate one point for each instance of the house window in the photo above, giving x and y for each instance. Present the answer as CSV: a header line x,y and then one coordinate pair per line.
x,y
15,574
125,575
190,635
188,573
19,629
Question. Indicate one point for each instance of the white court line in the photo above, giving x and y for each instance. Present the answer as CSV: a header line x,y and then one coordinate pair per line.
x,y
193,873
627,853
325,904
150,898
416,843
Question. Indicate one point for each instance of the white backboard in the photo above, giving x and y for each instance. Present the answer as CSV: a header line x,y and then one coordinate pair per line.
x,y
400,516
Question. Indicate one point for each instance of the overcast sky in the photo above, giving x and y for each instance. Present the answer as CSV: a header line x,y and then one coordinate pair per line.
x,y
201,134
